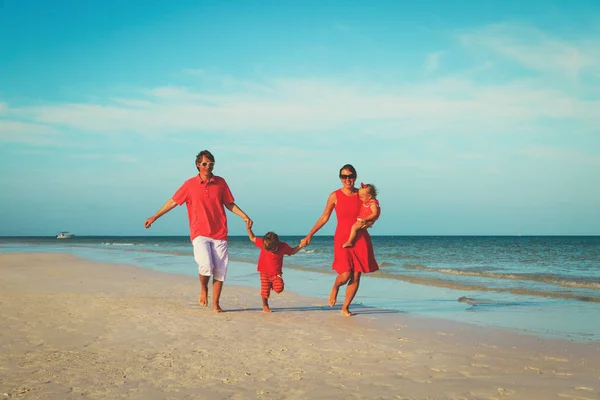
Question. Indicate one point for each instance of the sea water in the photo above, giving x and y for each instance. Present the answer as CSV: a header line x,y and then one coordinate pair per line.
x,y
540,285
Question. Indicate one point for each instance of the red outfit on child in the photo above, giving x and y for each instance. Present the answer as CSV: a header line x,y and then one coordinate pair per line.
x,y
360,257
270,265
365,210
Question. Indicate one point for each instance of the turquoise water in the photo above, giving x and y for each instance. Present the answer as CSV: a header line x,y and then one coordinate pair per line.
x,y
545,286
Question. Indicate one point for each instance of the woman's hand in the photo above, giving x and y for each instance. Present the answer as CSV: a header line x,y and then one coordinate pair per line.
x,y
305,241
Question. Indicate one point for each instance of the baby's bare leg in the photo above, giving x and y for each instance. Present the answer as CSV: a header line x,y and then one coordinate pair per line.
x,y
355,227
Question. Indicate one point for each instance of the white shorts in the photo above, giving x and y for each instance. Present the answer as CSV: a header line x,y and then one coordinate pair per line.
x,y
212,257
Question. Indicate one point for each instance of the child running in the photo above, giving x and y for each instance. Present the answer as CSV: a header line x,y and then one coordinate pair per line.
x,y
270,263
369,211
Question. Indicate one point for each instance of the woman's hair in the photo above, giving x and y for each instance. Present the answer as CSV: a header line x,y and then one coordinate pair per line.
x,y
370,188
270,241
350,168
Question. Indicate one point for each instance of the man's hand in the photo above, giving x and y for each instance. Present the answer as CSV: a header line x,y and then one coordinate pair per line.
x,y
149,222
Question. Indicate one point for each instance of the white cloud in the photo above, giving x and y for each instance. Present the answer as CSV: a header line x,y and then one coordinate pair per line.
x,y
27,133
560,155
295,105
448,105
536,50
432,61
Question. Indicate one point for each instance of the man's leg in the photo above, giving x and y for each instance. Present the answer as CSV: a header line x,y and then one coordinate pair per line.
x,y
340,280
220,257
351,290
217,286
202,256
203,299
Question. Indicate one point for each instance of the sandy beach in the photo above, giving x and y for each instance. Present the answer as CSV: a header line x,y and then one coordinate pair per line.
x,y
72,328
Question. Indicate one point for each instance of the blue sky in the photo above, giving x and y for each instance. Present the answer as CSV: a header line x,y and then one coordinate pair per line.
x,y
470,117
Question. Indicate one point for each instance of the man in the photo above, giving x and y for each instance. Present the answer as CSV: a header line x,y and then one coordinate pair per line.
x,y
205,196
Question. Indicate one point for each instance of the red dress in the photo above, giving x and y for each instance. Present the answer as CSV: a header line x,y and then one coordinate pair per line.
x,y
359,257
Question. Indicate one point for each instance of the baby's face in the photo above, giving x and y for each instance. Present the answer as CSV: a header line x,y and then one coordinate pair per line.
x,y
364,195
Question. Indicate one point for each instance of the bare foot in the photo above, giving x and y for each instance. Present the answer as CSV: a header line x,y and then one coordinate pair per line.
x,y
333,296
347,244
217,308
266,309
203,300
346,312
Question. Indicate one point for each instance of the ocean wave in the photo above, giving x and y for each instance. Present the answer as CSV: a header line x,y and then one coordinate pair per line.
x,y
543,278
386,264
438,282
307,251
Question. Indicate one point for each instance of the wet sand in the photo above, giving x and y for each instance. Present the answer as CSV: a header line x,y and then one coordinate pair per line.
x,y
72,328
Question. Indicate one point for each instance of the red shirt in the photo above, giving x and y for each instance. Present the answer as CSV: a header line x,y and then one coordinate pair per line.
x,y
272,263
205,202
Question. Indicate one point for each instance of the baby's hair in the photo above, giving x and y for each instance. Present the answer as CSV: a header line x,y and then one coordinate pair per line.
x,y
370,188
270,241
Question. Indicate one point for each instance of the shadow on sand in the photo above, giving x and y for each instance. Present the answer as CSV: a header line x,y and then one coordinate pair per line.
x,y
357,309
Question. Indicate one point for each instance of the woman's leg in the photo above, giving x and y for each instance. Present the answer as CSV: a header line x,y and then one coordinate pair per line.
x,y
340,280
351,291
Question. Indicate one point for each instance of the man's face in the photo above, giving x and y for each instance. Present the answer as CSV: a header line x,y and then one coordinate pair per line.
x,y
205,166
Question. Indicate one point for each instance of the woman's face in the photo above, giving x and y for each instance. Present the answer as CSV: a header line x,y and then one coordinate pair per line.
x,y
347,178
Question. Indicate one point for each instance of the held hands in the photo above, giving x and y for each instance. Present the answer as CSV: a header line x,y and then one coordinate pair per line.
x,y
305,241
248,222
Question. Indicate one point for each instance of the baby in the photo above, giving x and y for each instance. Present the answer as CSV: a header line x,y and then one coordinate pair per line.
x,y
270,263
369,211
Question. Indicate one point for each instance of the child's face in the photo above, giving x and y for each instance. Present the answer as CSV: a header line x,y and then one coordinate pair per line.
x,y
364,195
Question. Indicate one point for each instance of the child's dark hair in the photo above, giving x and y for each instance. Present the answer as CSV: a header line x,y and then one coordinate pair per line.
x,y
271,241
371,189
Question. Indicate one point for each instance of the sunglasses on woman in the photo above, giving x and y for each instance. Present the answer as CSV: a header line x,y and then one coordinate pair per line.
x,y
207,164
344,177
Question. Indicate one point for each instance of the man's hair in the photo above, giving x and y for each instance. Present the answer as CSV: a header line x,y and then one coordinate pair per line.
x,y
271,241
205,153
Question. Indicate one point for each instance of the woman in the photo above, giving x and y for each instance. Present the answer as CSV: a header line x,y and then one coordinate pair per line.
x,y
349,263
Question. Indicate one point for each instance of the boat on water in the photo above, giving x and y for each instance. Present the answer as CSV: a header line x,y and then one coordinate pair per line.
x,y
64,235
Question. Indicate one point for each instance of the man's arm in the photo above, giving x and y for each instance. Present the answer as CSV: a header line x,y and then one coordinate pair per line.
x,y
238,211
168,206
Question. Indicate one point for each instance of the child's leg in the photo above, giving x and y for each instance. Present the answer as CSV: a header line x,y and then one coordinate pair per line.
x,y
353,230
266,305
265,290
277,283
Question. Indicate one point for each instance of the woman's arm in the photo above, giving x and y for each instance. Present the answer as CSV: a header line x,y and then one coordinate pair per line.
x,y
321,221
